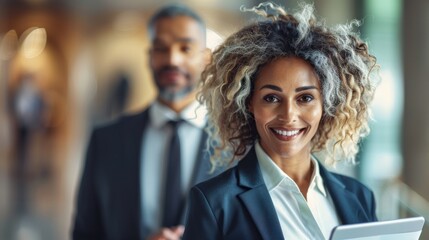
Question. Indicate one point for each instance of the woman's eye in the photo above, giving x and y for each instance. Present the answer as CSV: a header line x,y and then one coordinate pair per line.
x,y
271,99
306,98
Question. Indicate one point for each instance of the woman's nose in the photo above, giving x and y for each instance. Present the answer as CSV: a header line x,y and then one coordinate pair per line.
x,y
288,112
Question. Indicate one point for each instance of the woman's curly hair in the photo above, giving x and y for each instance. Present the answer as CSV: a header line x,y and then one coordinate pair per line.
x,y
339,57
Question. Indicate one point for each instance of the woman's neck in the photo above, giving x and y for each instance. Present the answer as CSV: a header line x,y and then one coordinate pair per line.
x,y
299,170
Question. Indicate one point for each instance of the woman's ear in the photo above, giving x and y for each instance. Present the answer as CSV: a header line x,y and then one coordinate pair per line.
x,y
250,107
207,56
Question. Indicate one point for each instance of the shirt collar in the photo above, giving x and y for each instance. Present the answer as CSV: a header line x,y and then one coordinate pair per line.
x,y
194,114
316,179
273,175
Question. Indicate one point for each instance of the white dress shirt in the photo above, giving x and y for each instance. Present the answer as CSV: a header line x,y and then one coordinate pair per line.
x,y
299,218
155,145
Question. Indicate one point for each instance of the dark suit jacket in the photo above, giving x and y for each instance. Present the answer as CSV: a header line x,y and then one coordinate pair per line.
x,y
108,203
236,204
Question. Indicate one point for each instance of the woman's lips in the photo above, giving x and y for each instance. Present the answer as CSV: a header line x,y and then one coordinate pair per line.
x,y
287,135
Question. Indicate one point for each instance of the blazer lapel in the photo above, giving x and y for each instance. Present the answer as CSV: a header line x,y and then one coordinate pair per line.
x,y
347,204
257,199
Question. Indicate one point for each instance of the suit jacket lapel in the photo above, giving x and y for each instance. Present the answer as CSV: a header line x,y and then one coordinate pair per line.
x,y
131,135
201,170
257,199
199,173
202,163
347,204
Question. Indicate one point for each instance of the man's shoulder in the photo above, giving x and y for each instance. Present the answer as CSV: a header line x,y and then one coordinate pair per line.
x,y
126,121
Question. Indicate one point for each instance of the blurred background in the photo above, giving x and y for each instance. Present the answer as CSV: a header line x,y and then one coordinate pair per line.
x,y
69,65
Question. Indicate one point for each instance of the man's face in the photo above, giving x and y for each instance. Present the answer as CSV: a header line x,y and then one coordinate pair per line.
x,y
177,57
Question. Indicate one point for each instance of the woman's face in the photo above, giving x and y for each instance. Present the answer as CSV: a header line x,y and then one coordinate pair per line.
x,y
287,107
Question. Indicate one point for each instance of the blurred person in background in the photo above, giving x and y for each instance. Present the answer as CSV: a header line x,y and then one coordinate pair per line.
x,y
29,114
126,190
277,91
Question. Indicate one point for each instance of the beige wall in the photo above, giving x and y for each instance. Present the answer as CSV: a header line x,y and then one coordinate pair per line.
x,y
416,111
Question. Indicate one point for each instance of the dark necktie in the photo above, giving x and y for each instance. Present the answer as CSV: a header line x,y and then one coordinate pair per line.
x,y
173,192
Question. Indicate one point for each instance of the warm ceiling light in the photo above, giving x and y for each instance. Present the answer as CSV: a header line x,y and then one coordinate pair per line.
x,y
8,45
34,42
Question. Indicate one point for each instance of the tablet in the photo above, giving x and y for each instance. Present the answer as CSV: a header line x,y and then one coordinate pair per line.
x,y
399,229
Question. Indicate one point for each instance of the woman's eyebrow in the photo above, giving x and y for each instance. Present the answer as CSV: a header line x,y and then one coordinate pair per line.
x,y
273,87
305,88
276,88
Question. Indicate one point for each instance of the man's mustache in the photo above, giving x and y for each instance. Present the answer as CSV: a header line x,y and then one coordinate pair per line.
x,y
168,69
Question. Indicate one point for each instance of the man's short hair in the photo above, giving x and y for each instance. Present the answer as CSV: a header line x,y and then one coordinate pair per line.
x,y
174,10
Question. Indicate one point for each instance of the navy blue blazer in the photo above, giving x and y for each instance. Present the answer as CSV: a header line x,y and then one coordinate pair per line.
x,y
108,202
236,204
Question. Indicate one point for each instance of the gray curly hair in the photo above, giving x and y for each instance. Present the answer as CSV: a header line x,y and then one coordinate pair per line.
x,y
339,57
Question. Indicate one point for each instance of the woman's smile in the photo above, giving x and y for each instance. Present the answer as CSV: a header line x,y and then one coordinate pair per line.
x,y
287,135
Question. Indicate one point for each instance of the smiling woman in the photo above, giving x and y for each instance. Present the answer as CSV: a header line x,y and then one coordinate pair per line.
x,y
277,91
338,56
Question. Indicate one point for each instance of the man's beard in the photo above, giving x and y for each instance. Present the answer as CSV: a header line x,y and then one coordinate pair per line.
x,y
171,96
168,94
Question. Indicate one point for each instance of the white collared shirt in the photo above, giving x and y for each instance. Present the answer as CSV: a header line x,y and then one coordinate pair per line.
x,y
299,218
155,144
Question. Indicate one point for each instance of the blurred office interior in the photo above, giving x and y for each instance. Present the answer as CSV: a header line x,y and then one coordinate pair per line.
x,y
69,65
